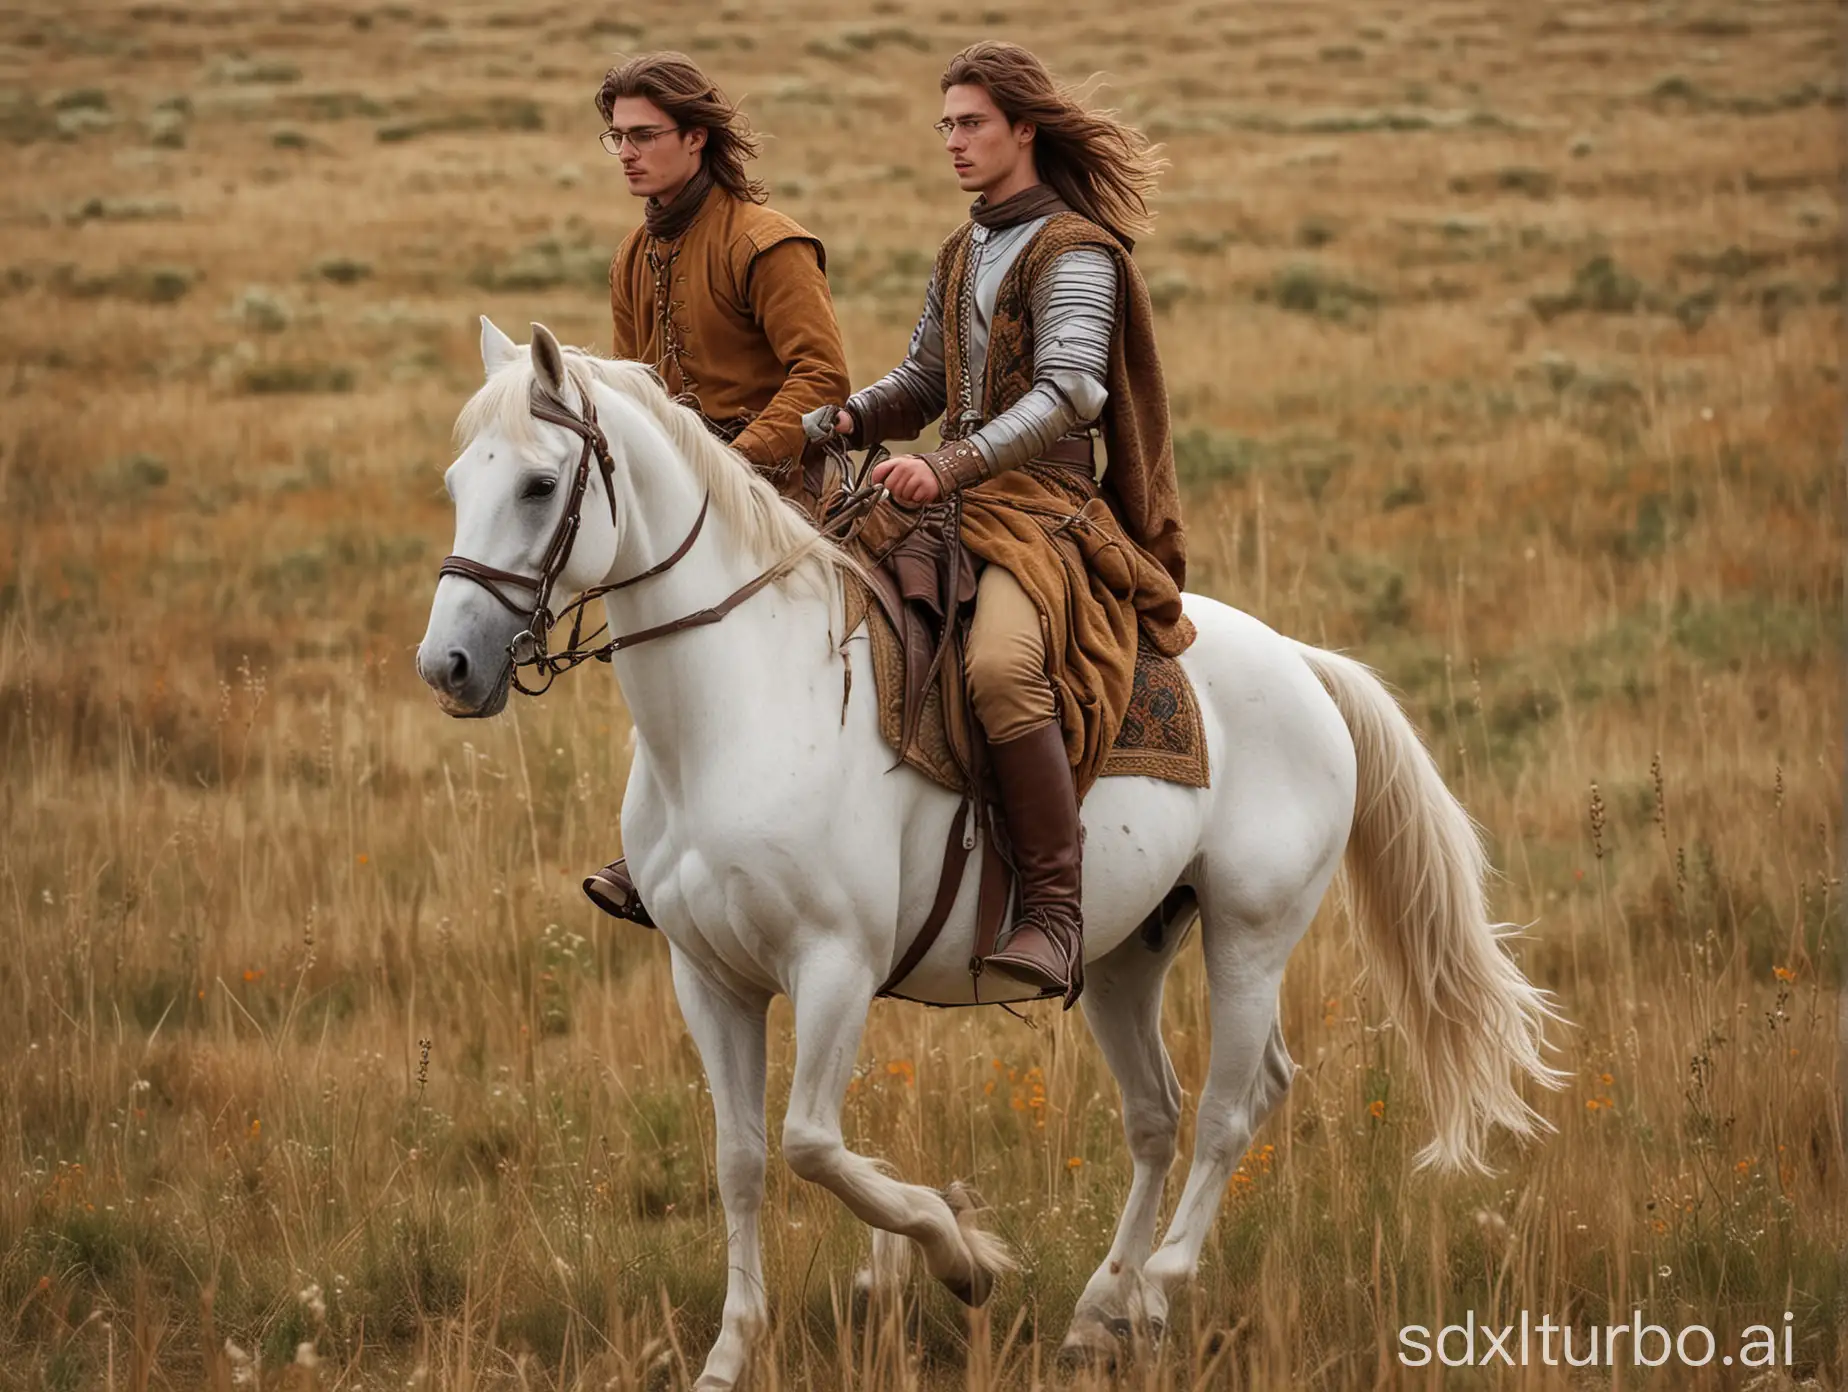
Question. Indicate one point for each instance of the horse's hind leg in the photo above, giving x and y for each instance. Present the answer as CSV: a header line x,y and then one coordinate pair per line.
x,y
1248,1075
831,997
1122,1005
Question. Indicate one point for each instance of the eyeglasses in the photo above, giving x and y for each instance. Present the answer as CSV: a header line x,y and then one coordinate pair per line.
x,y
641,137
968,125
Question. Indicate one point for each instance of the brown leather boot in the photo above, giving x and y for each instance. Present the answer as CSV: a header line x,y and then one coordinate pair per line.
x,y
611,890
1040,802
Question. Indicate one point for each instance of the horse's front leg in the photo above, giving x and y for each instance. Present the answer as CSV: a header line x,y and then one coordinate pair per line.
x,y
831,995
729,1031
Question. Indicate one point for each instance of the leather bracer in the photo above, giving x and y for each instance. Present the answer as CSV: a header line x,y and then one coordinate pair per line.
x,y
959,464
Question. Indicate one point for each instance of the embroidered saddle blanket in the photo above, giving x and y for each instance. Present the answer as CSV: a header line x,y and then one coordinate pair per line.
x,y
1161,735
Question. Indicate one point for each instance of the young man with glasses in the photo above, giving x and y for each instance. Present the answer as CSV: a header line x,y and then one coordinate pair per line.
x,y
725,298
1037,336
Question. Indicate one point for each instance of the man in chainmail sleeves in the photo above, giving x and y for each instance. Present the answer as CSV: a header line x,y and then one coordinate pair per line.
x,y
1035,340
725,298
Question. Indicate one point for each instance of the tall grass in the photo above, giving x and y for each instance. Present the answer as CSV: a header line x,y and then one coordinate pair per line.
x,y
316,1052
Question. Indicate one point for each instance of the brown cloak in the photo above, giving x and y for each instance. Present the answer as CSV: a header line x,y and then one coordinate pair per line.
x,y
1099,571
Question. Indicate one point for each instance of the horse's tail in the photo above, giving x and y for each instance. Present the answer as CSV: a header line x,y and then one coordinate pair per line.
x,y
1416,866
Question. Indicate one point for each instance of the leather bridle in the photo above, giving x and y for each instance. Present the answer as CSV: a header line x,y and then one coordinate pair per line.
x,y
528,648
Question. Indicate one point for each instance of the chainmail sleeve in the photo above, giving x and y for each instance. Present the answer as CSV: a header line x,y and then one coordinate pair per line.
x,y
912,395
1074,316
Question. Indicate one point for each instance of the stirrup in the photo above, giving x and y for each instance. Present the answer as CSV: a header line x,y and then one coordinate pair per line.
x,y
1032,971
611,890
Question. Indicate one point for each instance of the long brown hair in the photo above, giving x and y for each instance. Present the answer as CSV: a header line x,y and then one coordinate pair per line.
x,y
1101,166
674,82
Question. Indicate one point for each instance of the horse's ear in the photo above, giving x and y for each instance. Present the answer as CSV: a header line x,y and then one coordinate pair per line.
x,y
497,350
549,360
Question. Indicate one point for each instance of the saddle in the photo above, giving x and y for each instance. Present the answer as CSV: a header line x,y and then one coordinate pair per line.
x,y
910,585
914,593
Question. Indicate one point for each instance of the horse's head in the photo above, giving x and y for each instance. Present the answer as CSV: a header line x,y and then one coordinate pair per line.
x,y
512,486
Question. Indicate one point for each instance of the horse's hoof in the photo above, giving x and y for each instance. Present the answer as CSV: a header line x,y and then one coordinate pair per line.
x,y
988,1256
1080,1355
974,1292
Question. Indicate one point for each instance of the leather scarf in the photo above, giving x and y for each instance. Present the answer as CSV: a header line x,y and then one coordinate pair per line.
x,y
1042,200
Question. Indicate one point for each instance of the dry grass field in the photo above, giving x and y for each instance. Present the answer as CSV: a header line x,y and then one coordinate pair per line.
x,y
1505,348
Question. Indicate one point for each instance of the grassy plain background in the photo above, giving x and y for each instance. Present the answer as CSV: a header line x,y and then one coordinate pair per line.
x,y
1504,343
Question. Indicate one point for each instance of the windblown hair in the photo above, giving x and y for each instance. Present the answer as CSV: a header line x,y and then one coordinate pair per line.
x,y
772,532
1101,166
674,82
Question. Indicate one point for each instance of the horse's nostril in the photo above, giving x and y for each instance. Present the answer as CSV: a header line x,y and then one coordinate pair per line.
x,y
458,669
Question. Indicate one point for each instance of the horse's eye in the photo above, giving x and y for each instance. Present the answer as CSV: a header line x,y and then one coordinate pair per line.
x,y
539,488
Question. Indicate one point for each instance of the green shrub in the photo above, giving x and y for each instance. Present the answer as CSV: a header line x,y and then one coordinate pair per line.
x,y
546,265
1312,290
342,270
495,114
289,378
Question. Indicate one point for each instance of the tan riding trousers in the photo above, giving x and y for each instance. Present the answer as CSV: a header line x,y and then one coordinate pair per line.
x,y
1004,659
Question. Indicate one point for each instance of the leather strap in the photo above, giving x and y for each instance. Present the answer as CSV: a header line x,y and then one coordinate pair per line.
x,y
681,550
990,908
997,883
1070,449
955,858
489,579
698,619
546,407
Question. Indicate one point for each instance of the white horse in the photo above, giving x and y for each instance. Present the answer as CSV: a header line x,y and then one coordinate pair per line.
x,y
779,851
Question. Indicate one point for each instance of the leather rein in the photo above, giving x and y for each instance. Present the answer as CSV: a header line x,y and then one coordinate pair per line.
x,y
528,648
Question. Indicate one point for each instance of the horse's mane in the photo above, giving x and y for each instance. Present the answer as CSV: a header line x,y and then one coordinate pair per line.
x,y
769,529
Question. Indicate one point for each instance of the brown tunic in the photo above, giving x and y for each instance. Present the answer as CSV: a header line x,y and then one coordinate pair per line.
x,y
736,317
1100,571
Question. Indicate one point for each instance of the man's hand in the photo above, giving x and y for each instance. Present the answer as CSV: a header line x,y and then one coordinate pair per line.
x,y
818,424
843,423
909,478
